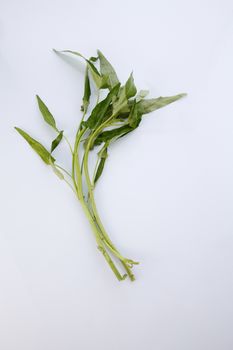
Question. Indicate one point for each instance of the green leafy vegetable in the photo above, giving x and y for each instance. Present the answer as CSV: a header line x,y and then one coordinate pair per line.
x,y
48,117
37,146
101,108
150,105
109,135
103,154
134,116
107,70
93,58
100,81
125,93
87,93
130,88
56,141
113,116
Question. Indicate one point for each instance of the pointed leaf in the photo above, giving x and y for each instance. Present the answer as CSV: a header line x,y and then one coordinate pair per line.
x,y
87,93
134,116
99,170
56,141
109,135
121,101
48,117
126,91
107,70
150,105
130,88
103,154
100,110
37,146
101,82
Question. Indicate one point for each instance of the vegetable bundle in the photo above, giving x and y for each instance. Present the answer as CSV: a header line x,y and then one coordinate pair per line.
x,y
114,116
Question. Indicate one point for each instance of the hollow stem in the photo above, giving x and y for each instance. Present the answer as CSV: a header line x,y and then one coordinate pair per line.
x,y
127,263
77,179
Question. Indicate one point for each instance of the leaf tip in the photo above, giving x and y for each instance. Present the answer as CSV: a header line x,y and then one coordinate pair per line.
x,y
99,53
18,129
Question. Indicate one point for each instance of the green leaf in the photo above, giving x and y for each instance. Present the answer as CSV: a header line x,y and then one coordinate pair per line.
x,y
109,135
107,70
100,110
87,93
48,117
37,146
93,59
121,101
99,170
130,88
101,82
56,141
126,91
150,105
103,154
134,116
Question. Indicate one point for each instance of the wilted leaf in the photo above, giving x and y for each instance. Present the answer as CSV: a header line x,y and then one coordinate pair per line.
x,y
47,115
37,146
56,141
107,70
150,105
101,82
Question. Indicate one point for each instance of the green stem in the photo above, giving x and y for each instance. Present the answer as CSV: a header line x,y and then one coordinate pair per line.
x,y
108,242
70,185
65,171
100,243
77,179
68,143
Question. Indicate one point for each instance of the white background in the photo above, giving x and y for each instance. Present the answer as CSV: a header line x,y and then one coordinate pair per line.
x,y
166,196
